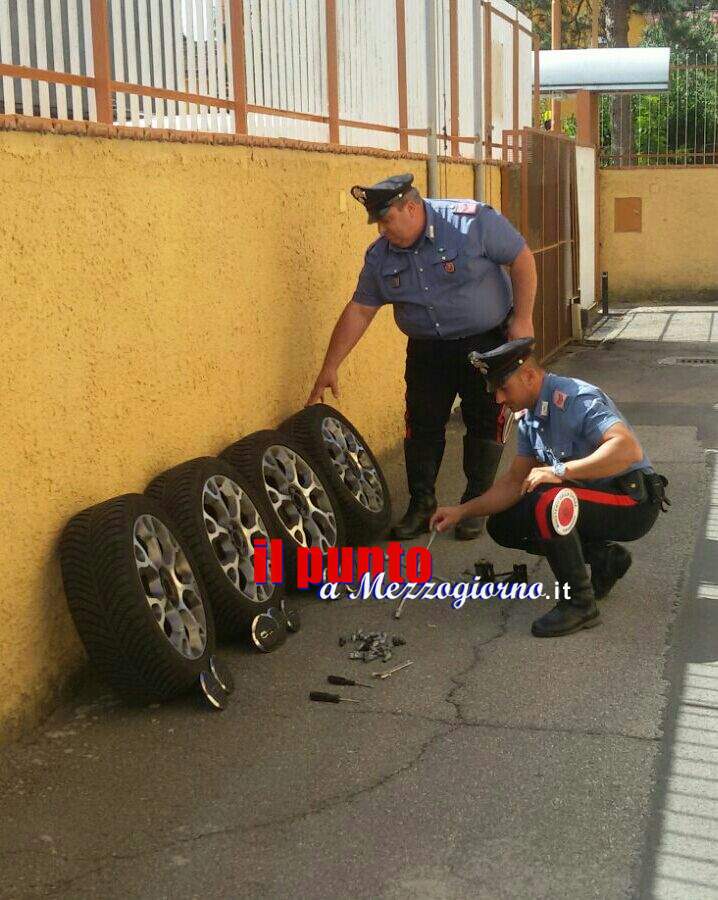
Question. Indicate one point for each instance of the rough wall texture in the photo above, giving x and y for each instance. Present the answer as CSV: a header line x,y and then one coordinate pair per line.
x,y
159,301
674,256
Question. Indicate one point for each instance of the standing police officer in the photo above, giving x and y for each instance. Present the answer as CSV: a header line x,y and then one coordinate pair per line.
x,y
570,435
438,263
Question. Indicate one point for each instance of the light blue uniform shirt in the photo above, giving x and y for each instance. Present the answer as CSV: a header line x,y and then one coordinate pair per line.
x,y
568,422
450,284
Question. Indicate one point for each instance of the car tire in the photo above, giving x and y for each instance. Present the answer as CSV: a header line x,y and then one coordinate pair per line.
x,y
343,458
146,624
304,507
219,516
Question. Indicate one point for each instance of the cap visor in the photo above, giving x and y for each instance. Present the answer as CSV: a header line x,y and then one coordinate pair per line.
x,y
377,214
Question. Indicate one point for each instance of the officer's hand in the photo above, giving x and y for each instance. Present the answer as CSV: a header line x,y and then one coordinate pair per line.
x,y
537,476
520,327
445,517
327,378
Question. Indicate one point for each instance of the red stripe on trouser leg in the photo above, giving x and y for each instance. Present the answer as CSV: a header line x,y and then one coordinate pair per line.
x,y
604,497
407,426
542,514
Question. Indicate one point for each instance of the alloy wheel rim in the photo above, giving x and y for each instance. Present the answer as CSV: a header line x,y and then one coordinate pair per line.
x,y
298,498
353,464
233,525
170,587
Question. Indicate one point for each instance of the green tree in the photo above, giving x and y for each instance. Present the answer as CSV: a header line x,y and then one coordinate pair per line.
x,y
575,21
681,25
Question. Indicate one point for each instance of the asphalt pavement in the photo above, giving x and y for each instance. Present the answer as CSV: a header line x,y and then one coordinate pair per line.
x,y
496,766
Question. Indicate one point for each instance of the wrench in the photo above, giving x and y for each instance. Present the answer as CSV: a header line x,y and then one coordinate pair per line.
x,y
391,671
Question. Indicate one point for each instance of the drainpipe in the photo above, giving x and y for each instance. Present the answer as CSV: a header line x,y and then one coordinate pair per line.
x,y
433,167
478,99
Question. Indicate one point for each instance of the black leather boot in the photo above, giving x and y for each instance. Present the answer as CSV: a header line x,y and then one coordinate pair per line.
x,y
481,460
565,556
423,459
609,562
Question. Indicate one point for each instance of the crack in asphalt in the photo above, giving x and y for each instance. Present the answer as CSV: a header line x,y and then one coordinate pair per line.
x,y
281,821
330,803
451,726
343,798
511,726
476,651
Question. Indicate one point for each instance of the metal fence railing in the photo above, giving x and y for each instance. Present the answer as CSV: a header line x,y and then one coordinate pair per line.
x,y
334,71
676,128
539,194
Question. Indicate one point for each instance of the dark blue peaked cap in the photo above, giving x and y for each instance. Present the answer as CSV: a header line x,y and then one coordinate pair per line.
x,y
496,365
378,198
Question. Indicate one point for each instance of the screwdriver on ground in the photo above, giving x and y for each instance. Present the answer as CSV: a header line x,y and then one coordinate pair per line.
x,y
324,697
340,679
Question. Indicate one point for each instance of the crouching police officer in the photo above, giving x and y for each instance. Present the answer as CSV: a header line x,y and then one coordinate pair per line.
x,y
570,435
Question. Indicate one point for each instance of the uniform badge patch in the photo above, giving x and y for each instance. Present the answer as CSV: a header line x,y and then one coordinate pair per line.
x,y
544,408
559,399
449,267
395,281
468,208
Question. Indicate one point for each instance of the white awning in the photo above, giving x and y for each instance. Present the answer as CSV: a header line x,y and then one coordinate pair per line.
x,y
609,69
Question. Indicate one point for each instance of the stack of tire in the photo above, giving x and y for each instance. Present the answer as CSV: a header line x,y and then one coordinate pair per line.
x,y
153,580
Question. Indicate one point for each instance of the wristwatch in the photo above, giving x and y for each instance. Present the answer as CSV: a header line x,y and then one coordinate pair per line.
x,y
559,469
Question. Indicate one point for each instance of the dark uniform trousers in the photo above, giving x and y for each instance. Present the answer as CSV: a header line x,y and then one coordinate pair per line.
x,y
605,514
436,371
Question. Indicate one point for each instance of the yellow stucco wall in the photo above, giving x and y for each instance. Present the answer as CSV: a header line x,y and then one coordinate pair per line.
x,y
675,253
159,301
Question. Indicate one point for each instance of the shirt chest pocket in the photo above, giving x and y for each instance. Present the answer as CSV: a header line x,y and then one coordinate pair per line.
x,y
395,278
447,267
563,450
459,266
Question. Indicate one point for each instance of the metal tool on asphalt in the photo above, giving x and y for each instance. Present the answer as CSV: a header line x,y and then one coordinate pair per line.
x,y
294,623
324,697
369,646
392,671
222,674
400,608
484,569
340,679
212,690
291,617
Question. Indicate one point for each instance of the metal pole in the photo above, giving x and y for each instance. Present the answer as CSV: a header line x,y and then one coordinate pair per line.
x,y
101,59
478,101
431,111
555,45
604,293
